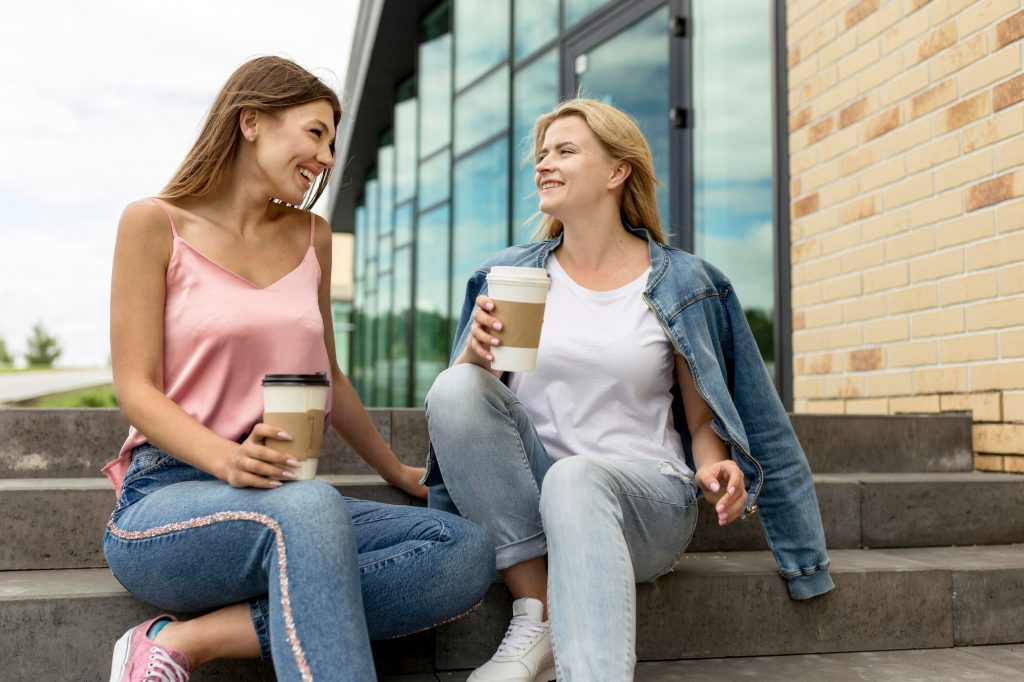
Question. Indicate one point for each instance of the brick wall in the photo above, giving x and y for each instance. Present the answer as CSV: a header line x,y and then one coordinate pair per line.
x,y
907,185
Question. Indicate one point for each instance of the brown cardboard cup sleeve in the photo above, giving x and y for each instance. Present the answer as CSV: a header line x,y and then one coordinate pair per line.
x,y
521,323
306,429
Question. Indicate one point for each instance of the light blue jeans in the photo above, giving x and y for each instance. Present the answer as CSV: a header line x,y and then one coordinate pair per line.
x,y
323,574
604,522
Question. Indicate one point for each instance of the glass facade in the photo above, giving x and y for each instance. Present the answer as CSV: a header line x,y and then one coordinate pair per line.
x,y
452,179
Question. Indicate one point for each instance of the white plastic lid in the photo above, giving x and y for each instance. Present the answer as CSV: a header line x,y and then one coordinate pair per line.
x,y
515,272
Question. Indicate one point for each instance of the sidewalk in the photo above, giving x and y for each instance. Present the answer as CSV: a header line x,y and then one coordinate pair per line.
x,y
17,386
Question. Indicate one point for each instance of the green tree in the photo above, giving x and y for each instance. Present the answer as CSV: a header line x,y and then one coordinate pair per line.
x,y
5,356
43,349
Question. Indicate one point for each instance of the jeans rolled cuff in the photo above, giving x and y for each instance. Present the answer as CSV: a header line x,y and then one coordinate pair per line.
x,y
258,611
520,551
808,586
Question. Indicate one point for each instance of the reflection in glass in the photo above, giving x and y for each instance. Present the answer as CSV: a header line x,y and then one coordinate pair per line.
x,y
341,316
401,305
578,9
535,92
386,178
368,333
403,224
405,150
435,93
358,298
435,179
382,356
732,157
536,23
481,38
368,328
638,54
481,111
431,343
480,213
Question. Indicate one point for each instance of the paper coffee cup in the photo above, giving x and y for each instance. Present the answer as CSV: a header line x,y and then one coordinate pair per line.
x,y
295,403
519,295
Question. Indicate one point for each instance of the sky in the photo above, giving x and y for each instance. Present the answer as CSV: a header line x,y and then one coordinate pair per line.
x,y
102,101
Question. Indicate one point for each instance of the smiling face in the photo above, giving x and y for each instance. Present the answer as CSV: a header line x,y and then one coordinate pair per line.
x,y
294,147
574,172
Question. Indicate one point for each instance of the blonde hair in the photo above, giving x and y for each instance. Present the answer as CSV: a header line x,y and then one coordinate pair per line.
x,y
622,139
266,84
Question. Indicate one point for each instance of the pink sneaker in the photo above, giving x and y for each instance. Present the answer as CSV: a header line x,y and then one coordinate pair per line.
x,y
137,658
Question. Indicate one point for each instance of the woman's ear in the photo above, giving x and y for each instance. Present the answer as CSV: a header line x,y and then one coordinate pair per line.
x,y
620,173
248,119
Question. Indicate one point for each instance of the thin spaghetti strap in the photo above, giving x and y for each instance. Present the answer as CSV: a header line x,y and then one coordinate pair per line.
x,y
174,229
312,228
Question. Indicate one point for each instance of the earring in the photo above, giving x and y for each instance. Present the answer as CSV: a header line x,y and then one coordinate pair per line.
x,y
252,138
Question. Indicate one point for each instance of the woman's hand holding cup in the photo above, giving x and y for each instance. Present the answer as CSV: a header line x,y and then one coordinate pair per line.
x,y
255,465
481,333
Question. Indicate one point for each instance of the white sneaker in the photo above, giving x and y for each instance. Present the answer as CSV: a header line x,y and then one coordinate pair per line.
x,y
525,654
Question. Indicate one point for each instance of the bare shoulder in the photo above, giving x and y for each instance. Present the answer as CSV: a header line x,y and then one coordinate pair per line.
x,y
322,234
144,230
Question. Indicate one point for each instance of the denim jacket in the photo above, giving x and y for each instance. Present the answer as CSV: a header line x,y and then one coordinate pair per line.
x,y
698,309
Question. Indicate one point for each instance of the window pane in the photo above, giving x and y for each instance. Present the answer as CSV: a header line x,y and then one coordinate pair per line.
x,y
435,179
536,22
611,73
482,111
435,88
480,211
403,224
382,356
368,333
359,299
400,327
732,160
432,315
481,38
535,92
386,178
577,9
405,150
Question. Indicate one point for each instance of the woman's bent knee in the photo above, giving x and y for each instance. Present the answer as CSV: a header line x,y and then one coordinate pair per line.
x,y
573,483
456,385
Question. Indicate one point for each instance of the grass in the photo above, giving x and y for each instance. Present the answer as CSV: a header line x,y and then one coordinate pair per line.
x,y
97,396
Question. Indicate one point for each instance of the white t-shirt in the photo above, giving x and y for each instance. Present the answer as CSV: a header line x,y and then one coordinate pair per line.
x,y
605,370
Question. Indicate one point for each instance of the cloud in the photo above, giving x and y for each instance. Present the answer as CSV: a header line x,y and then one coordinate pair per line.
x,y
102,101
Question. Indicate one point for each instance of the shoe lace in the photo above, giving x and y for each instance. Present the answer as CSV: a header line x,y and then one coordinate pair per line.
x,y
163,668
520,635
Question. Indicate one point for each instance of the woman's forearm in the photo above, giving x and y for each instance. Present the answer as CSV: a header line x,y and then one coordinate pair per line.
x,y
173,430
707,447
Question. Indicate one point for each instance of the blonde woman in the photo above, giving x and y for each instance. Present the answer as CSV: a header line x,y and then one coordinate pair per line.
x,y
578,470
215,286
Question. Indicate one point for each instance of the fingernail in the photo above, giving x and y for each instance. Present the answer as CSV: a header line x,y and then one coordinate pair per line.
x,y
287,474
489,306
497,326
275,484
284,435
494,342
490,357
714,486
732,489
293,462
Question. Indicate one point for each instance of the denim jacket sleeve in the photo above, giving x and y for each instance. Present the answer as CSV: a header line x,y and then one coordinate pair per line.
x,y
787,504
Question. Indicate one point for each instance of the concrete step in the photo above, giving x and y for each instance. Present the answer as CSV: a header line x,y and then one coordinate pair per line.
x,y
713,605
960,664
858,510
53,443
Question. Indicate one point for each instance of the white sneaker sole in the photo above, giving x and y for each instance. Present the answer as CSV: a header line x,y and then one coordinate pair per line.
x,y
120,658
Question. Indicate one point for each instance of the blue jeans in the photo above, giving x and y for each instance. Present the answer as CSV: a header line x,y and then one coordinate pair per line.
x,y
323,574
605,522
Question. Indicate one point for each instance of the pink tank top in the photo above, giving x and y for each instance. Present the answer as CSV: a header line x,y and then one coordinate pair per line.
x,y
222,333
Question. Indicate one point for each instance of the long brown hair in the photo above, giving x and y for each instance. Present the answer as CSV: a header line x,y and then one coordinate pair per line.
x,y
622,139
267,84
